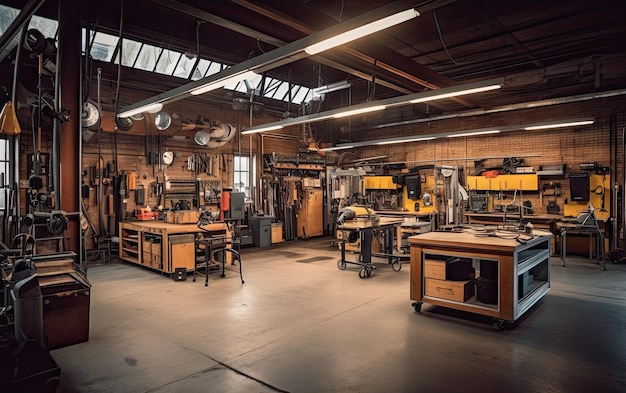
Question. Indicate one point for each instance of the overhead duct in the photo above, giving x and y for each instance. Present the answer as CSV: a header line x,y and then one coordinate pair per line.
x,y
220,135
90,114
202,138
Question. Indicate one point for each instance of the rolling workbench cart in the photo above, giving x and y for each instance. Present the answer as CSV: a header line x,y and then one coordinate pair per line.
x,y
365,230
513,272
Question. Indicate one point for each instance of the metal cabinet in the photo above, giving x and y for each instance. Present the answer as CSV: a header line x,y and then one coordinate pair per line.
x,y
261,230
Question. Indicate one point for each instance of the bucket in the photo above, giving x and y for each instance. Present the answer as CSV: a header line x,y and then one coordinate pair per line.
x,y
486,290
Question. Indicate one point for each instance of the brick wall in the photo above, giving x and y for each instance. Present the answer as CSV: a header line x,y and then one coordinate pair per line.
x,y
569,146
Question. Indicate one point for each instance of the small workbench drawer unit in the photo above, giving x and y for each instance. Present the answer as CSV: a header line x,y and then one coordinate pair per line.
x,y
448,278
459,291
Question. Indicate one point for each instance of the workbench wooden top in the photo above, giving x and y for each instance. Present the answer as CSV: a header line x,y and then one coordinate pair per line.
x,y
468,239
360,224
150,226
403,213
544,217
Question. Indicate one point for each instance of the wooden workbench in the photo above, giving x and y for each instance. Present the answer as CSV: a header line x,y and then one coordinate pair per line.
x,y
521,272
539,221
163,246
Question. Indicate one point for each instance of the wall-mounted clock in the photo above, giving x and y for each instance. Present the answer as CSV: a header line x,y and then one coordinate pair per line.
x,y
168,158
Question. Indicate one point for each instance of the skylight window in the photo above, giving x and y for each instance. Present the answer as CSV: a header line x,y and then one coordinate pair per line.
x,y
130,51
299,94
103,46
167,62
148,55
47,27
214,68
184,67
151,58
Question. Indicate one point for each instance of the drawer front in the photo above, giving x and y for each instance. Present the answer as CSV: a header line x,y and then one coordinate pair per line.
x,y
152,260
458,291
435,269
156,249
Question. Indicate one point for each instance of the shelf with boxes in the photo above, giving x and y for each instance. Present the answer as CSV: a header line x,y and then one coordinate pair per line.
x,y
162,246
501,277
129,245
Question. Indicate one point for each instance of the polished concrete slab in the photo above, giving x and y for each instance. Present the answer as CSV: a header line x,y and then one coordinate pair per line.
x,y
299,324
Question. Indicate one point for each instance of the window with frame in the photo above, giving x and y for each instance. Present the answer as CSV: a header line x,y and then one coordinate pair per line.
x,y
243,172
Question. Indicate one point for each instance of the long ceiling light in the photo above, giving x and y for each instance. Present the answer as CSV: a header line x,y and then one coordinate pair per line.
x,y
360,111
271,128
445,92
559,124
367,23
436,95
473,133
362,31
404,140
482,131
331,87
150,108
214,85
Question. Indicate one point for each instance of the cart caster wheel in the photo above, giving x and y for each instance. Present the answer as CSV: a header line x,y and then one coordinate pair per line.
x,y
194,280
362,273
396,266
370,270
341,264
498,325
417,306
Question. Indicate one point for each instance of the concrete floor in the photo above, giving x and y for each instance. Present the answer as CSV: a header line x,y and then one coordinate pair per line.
x,y
299,324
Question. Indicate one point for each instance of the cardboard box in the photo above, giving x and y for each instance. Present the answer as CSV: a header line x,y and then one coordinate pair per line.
x,y
277,232
434,268
182,217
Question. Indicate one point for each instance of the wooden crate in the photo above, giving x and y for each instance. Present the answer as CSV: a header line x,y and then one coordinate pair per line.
x,y
277,232
435,269
182,217
458,291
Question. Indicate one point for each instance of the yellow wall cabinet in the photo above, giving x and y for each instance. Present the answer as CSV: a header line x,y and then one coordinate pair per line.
x,y
379,183
524,182
600,187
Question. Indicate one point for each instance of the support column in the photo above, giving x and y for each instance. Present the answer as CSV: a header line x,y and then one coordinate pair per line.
x,y
67,140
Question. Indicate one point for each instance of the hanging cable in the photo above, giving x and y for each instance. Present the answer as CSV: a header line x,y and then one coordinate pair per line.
x,y
445,48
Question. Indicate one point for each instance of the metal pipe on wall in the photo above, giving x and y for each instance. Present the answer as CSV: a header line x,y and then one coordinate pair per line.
x,y
69,59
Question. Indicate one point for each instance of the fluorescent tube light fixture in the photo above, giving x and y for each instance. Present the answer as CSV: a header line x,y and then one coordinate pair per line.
x,y
361,31
223,82
436,96
473,133
581,122
404,140
151,108
270,128
331,87
359,111
451,91
339,147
